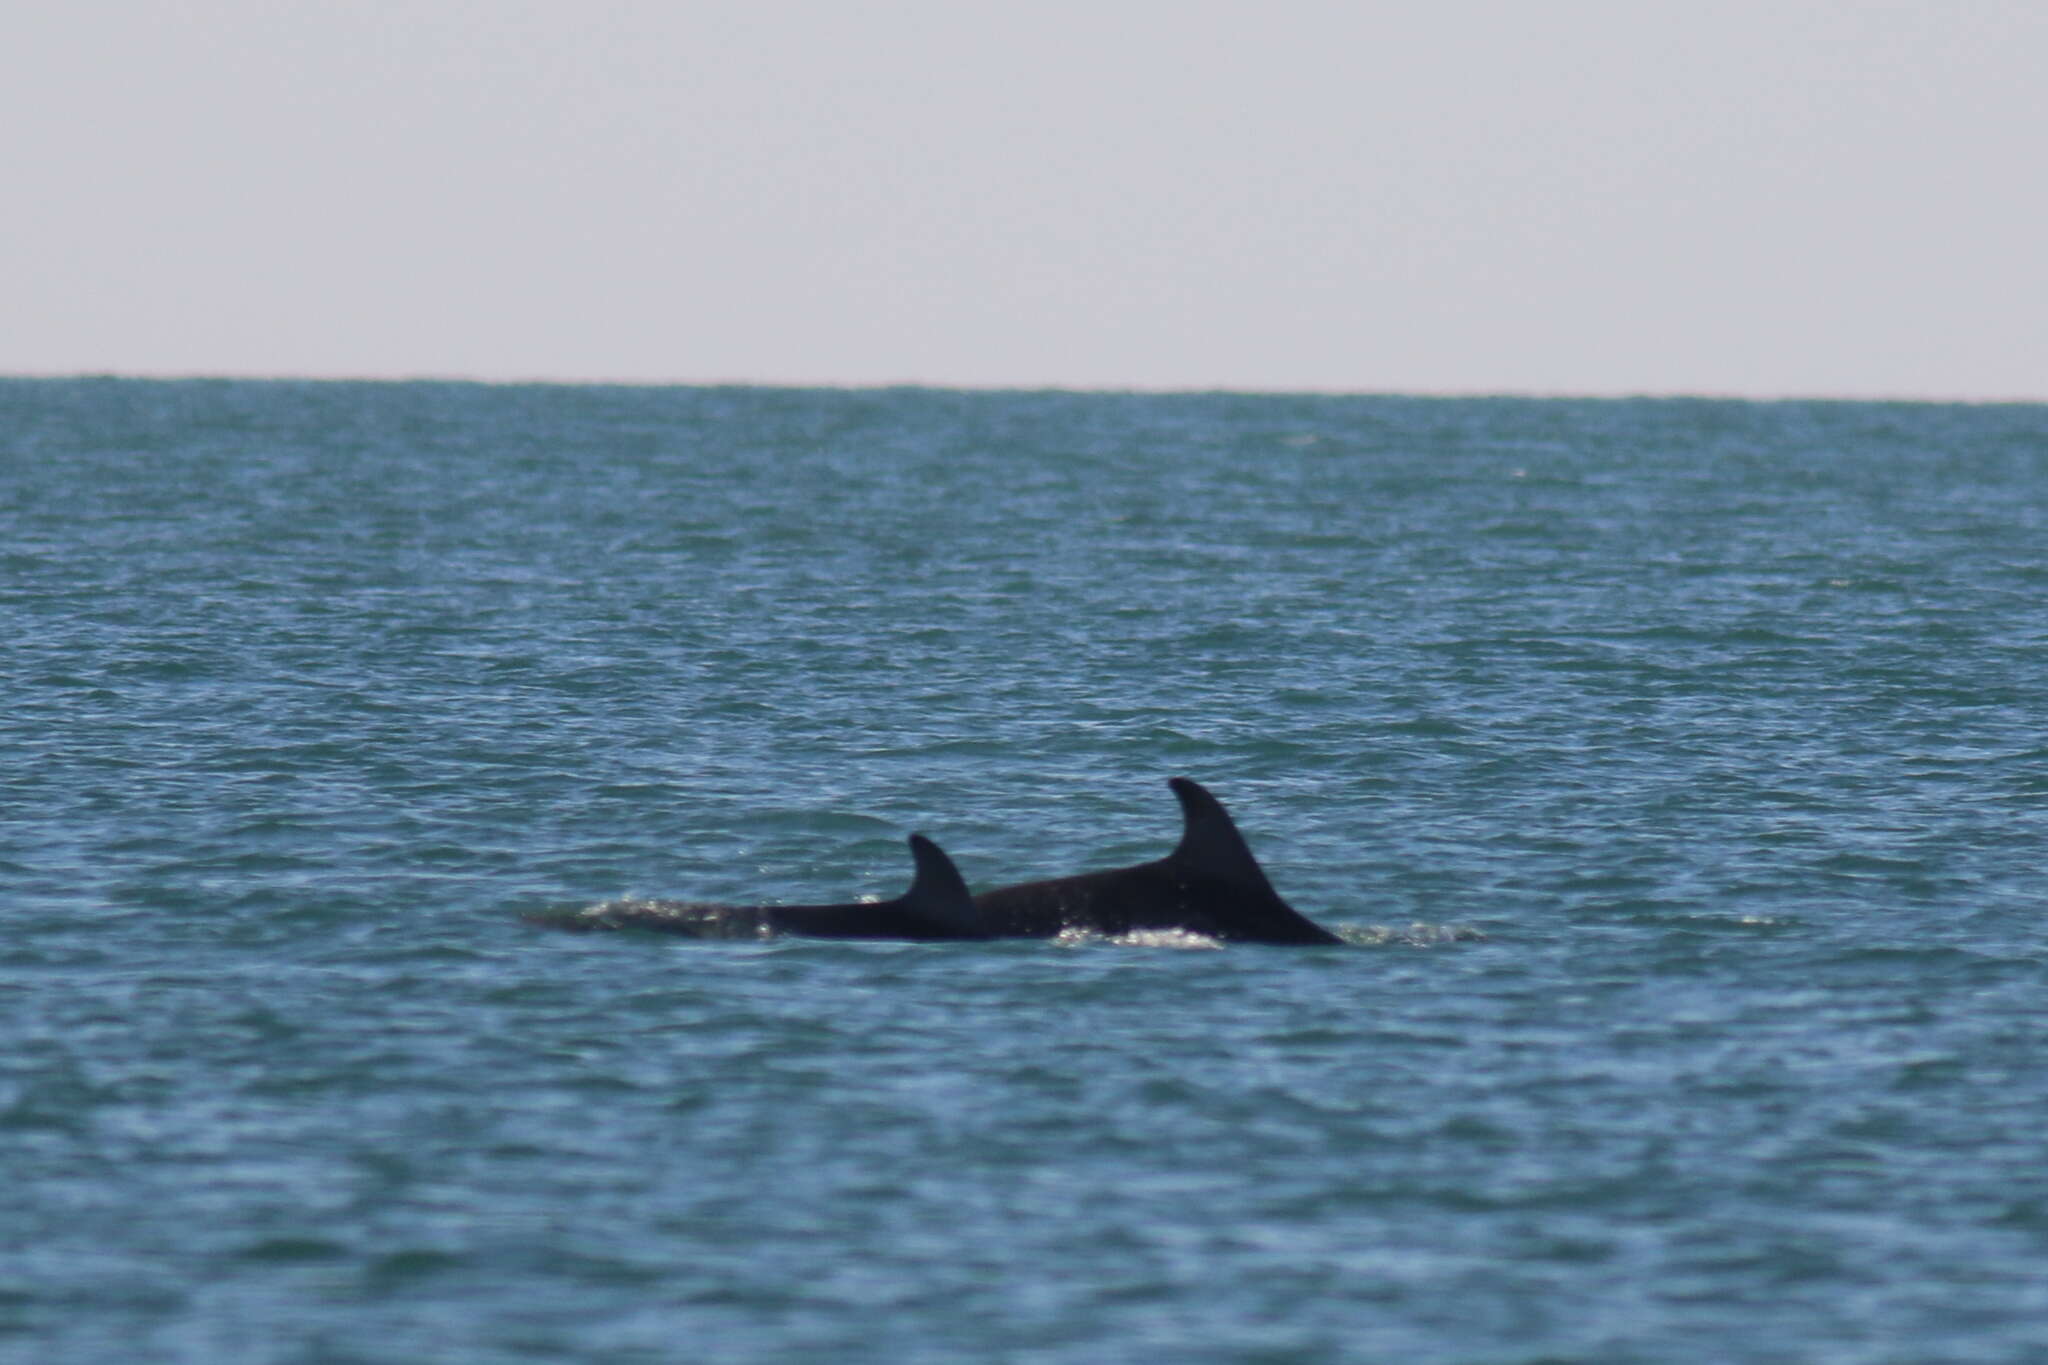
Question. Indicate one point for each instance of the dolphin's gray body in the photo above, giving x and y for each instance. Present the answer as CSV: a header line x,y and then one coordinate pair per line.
x,y
1210,885
935,907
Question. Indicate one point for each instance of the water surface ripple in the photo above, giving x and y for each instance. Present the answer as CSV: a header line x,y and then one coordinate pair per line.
x,y
1676,769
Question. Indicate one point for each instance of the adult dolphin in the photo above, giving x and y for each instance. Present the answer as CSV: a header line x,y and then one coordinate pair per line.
x,y
936,906
1210,884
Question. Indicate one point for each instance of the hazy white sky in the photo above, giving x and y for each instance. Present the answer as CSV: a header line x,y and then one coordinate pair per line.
x,y
1750,196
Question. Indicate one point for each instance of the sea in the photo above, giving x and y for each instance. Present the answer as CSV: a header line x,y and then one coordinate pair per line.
x,y
1675,770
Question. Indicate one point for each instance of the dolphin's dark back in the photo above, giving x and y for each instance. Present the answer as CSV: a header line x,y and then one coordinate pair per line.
x,y
1210,884
936,906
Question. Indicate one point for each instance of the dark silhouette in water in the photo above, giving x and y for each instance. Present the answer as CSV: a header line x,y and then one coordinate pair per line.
x,y
935,907
1210,885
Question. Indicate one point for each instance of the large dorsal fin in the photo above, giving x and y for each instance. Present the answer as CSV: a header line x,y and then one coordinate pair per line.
x,y
938,894
1210,844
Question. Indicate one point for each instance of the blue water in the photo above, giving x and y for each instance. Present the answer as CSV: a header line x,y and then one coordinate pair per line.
x,y
1678,771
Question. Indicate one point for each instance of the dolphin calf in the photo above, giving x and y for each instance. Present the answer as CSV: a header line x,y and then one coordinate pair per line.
x,y
935,907
1210,884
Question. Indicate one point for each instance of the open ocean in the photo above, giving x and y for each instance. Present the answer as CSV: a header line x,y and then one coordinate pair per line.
x,y
1677,771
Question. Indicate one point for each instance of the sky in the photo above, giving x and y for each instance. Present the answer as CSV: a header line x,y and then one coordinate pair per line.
x,y
1844,199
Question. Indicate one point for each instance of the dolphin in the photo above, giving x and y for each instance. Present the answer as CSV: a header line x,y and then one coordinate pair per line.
x,y
936,906
1210,884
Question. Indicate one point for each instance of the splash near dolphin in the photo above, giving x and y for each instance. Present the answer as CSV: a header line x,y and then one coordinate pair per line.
x,y
1209,885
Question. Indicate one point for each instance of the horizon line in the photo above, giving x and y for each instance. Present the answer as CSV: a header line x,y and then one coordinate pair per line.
x,y
941,386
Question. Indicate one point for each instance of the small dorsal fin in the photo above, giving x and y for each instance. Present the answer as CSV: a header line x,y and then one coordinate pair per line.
x,y
938,894
1210,844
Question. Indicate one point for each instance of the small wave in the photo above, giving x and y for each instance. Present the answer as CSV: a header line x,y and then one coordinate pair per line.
x,y
1165,938
1136,938
1416,935
669,917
